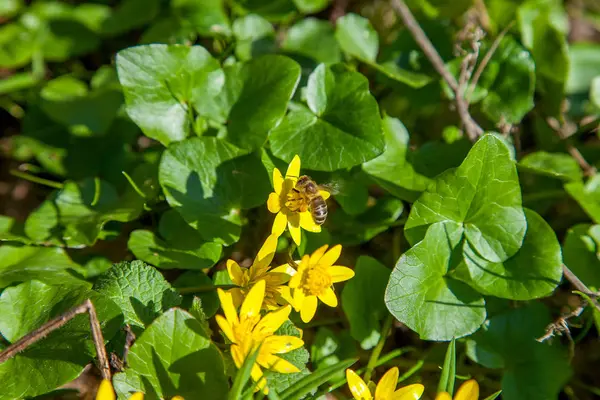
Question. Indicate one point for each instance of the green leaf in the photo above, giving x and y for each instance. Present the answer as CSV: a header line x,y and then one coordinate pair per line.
x,y
273,10
422,296
208,180
174,357
10,7
139,290
580,251
584,66
329,348
595,92
342,112
130,14
448,375
587,196
16,45
302,36
264,87
207,17
254,36
159,100
63,354
50,265
195,279
363,302
299,357
311,6
555,165
310,382
531,370
243,375
533,272
392,169
481,197
357,37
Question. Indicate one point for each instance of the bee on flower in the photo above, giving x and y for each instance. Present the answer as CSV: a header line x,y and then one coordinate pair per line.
x,y
298,202
386,387
106,392
314,281
275,279
467,391
249,330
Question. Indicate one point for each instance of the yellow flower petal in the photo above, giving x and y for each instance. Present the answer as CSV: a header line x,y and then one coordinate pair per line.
x,y
273,320
325,194
294,228
328,297
176,398
235,272
105,391
387,384
225,327
238,355
279,224
228,308
238,297
331,256
468,391
307,222
293,170
277,364
273,203
443,396
317,254
277,181
357,386
140,396
266,253
253,302
339,273
281,344
286,295
257,376
410,392
309,308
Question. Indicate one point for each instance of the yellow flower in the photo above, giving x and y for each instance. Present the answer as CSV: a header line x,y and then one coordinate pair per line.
x,y
275,293
249,331
467,391
386,388
106,392
290,207
314,280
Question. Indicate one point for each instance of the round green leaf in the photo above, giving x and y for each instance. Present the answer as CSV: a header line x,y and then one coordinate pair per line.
x,y
208,17
533,272
342,114
580,250
422,296
162,82
16,45
482,196
357,37
173,357
555,165
130,14
207,180
302,36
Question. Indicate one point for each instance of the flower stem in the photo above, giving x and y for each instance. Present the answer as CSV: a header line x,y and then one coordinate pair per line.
x,y
387,326
36,179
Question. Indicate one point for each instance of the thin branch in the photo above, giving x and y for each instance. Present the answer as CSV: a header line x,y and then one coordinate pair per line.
x,y
58,322
472,129
565,131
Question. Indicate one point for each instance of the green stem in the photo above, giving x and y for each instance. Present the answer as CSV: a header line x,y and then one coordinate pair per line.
x,y
204,288
133,184
387,326
96,192
411,371
36,179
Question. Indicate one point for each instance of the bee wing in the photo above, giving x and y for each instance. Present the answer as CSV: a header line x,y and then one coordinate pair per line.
x,y
335,187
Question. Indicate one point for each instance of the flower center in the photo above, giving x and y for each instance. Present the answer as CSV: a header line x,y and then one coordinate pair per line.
x,y
244,335
316,280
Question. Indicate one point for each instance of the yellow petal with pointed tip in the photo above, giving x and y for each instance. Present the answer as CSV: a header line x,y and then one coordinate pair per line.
x,y
281,344
225,327
140,396
317,254
279,224
235,272
307,222
410,392
468,391
273,320
257,376
105,391
357,386
325,194
277,180
443,396
328,297
339,273
253,302
294,227
277,364
228,307
309,308
331,256
238,297
273,203
266,253
293,170
387,384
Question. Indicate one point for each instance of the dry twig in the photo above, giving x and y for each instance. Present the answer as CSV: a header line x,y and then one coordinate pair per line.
x,y
560,327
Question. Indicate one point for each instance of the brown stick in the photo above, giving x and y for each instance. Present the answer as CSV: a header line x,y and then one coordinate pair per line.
x,y
579,285
473,130
58,322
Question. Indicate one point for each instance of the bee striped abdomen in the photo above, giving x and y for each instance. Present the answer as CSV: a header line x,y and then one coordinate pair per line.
x,y
318,208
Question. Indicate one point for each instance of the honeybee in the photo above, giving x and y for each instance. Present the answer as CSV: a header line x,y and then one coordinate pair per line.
x,y
313,200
